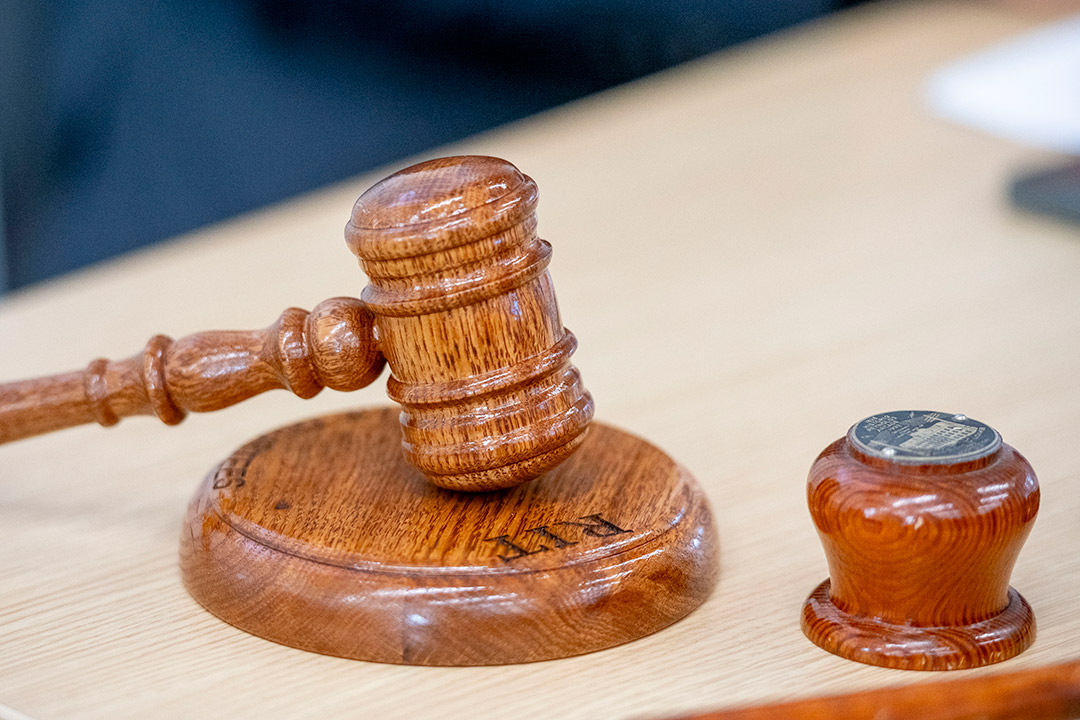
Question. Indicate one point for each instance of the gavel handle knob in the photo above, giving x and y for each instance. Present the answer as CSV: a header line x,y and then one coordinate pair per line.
x,y
333,346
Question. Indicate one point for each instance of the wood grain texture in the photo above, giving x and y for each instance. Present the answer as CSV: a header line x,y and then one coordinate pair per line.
x,y
920,558
468,321
320,536
466,316
757,248
1046,693
332,346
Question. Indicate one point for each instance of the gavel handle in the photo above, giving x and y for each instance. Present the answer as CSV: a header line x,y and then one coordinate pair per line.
x,y
332,346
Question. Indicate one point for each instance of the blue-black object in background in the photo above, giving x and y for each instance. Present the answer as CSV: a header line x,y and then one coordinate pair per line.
x,y
124,123
1054,191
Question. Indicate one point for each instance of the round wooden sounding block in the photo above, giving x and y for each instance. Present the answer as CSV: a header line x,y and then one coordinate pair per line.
x,y
322,537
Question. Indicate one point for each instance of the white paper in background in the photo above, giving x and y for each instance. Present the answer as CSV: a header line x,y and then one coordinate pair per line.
x,y
1026,90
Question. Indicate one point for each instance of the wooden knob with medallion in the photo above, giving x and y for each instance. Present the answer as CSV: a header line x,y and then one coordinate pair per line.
x,y
922,516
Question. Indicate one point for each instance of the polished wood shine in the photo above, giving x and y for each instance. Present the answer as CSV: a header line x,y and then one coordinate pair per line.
x,y
467,318
1046,693
321,536
920,558
332,346
698,201
464,311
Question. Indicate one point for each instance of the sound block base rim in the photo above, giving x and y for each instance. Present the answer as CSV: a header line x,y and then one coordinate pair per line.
x,y
609,589
907,647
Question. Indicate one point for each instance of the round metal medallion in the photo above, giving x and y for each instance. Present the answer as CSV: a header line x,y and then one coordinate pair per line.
x,y
920,437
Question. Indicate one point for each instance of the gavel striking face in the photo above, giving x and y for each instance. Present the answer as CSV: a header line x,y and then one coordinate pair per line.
x,y
460,306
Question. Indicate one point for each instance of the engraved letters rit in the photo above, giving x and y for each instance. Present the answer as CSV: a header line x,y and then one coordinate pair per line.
x,y
587,526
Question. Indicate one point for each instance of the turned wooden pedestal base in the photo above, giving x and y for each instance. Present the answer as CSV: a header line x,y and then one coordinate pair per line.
x,y
320,536
907,647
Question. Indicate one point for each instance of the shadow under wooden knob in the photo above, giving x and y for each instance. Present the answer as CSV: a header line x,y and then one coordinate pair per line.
x,y
466,316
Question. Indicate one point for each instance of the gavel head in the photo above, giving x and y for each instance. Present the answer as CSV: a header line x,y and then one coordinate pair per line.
x,y
466,316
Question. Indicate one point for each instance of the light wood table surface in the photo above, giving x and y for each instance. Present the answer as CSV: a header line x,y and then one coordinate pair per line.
x,y
754,250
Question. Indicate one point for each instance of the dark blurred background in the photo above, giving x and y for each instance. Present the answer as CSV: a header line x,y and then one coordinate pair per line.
x,y
124,123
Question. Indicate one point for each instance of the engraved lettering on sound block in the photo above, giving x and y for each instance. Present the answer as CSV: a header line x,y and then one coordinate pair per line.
x,y
554,536
222,481
234,472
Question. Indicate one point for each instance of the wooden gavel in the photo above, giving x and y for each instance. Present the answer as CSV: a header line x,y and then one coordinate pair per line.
x,y
460,304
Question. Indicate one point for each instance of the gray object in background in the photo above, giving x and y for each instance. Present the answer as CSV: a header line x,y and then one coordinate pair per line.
x,y
1054,192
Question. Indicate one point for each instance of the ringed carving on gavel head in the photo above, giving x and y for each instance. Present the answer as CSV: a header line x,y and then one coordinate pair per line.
x,y
465,314
460,306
